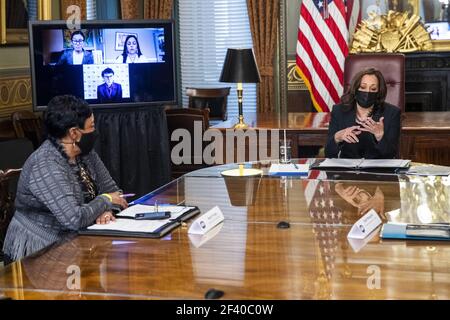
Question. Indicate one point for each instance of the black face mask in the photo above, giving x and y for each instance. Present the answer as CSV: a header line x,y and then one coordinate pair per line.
x,y
87,142
366,99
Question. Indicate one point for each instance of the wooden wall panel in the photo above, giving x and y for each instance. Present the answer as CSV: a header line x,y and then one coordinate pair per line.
x,y
15,91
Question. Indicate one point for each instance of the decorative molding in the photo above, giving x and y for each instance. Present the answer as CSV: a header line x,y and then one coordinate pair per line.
x,y
295,82
15,91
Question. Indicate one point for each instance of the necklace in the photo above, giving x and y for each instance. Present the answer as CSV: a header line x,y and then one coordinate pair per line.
x,y
132,58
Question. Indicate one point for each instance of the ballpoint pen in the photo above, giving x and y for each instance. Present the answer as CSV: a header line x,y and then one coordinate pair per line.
x,y
296,167
126,195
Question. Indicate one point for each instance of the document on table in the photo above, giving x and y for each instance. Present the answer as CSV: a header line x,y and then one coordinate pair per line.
x,y
289,169
130,225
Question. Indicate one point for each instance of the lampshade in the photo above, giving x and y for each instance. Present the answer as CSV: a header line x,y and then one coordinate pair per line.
x,y
240,66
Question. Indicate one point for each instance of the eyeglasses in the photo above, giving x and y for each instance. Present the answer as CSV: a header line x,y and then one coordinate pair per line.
x,y
77,41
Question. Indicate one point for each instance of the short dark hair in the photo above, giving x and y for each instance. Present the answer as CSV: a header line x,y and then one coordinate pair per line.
x,y
349,99
107,70
77,32
65,112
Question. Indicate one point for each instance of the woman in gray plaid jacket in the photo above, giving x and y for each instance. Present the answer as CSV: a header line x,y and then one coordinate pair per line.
x,y
63,186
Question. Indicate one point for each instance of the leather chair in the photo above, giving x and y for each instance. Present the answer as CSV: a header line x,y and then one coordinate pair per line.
x,y
185,119
14,153
391,65
213,98
28,125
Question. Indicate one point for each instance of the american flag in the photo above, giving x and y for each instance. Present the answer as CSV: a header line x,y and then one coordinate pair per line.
x,y
324,32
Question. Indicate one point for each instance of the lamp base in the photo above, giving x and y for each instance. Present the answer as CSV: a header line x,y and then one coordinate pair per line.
x,y
240,124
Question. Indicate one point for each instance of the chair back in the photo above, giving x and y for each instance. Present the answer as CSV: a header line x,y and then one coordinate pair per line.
x,y
6,203
187,119
28,125
14,153
215,99
391,65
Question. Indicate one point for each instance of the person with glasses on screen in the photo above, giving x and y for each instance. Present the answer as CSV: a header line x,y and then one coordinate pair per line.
x,y
63,186
77,55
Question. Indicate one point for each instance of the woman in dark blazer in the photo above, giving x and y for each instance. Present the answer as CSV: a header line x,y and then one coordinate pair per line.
x,y
363,125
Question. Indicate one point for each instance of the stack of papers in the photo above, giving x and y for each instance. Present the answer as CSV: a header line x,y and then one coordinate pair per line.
x,y
288,169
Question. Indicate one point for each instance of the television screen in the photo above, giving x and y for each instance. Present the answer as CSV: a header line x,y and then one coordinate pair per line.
x,y
107,63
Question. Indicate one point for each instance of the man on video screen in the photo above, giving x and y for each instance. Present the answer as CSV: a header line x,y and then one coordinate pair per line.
x,y
109,91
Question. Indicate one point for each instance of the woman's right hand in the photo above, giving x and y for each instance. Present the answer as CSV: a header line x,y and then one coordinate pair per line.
x,y
118,200
349,135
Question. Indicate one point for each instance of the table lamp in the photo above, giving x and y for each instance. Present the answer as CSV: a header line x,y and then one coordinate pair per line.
x,y
240,67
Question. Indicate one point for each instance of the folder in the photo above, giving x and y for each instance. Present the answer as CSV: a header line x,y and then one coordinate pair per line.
x,y
432,231
362,164
129,227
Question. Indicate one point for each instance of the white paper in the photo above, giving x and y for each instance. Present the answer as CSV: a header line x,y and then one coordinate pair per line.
x,y
207,221
130,225
364,226
344,163
288,168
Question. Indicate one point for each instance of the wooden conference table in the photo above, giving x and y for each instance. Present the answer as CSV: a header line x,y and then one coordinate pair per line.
x,y
248,256
425,135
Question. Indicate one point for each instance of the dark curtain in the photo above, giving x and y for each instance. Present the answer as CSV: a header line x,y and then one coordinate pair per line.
x,y
134,146
263,16
16,14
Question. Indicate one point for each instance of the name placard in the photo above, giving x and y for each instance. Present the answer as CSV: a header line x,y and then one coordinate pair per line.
x,y
207,221
364,226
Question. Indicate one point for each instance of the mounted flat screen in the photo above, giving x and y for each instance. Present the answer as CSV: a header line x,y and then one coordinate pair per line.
x,y
107,63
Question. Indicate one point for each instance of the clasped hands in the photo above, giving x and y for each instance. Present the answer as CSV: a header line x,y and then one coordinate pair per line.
x,y
361,199
350,134
108,216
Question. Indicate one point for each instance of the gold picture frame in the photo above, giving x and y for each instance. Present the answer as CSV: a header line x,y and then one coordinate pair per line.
x,y
9,36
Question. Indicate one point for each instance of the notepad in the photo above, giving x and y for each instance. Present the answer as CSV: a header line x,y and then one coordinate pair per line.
x,y
126,226
364,163
283,169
